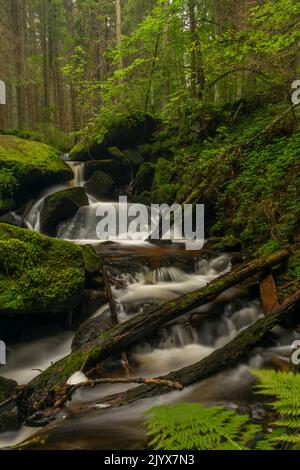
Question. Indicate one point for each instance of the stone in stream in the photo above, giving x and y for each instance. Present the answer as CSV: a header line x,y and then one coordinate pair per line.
x,y
59,207
100,185
27,167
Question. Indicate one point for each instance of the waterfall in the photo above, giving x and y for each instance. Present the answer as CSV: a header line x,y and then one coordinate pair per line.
x,y
83,226
78,170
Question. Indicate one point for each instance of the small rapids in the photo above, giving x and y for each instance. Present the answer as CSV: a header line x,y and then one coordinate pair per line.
x,y
180,343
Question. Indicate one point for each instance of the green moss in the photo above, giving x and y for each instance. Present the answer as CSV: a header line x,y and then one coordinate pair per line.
x,y
93,262
163,173
24,164
38,274
7,388
144,177
124,131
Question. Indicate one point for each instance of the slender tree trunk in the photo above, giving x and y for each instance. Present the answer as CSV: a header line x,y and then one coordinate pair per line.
x,y
119,29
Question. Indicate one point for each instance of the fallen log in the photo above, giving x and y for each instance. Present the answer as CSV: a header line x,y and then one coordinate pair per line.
x,y
268,293
220,360
44,387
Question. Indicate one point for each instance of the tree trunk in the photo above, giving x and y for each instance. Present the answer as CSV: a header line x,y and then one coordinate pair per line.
x,y
119,28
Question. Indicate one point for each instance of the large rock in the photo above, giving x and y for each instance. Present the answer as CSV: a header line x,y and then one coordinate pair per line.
x,y
26,167
144,178
124,132
120,174
100,185
135,159
10,419
61,206
163,173
38,274
7,388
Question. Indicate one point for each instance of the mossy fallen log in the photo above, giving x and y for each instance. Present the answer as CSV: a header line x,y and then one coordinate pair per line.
x,y
220,360
118,339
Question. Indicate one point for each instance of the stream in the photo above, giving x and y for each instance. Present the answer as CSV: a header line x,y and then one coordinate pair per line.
x,y
181,343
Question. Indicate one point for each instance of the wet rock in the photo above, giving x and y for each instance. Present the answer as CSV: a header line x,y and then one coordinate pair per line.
x,y
144,178
61,206
100,185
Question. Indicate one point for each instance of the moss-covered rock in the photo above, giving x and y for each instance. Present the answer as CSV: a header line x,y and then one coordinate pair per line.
x,y
120,174
38,274
25,167
124,132
135,158
61,206
93,262
144,177
163,173
7,388
100,185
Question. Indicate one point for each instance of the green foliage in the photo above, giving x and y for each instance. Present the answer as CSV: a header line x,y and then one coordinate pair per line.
x,y
285,390
249,180
195,427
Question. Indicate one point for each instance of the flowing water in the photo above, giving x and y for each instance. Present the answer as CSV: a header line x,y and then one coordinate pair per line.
x,y
178,344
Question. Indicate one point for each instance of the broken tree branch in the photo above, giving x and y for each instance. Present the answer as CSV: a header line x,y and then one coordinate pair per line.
x,y
71,389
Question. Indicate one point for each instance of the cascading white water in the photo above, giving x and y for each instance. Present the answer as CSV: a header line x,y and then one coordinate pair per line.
x,y
78,170
32,220
83,227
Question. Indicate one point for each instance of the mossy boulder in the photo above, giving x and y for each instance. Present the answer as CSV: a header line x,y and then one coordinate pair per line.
x,y
7,388
10,419
61,206
100,185
93,262
38,274
135,158
121,174
25,167
125,131
144,177
163,173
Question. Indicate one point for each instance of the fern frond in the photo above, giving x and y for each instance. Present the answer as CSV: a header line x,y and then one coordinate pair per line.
x,y
195,427
285,388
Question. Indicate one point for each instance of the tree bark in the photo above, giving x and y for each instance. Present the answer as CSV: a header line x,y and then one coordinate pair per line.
x,y
220,360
